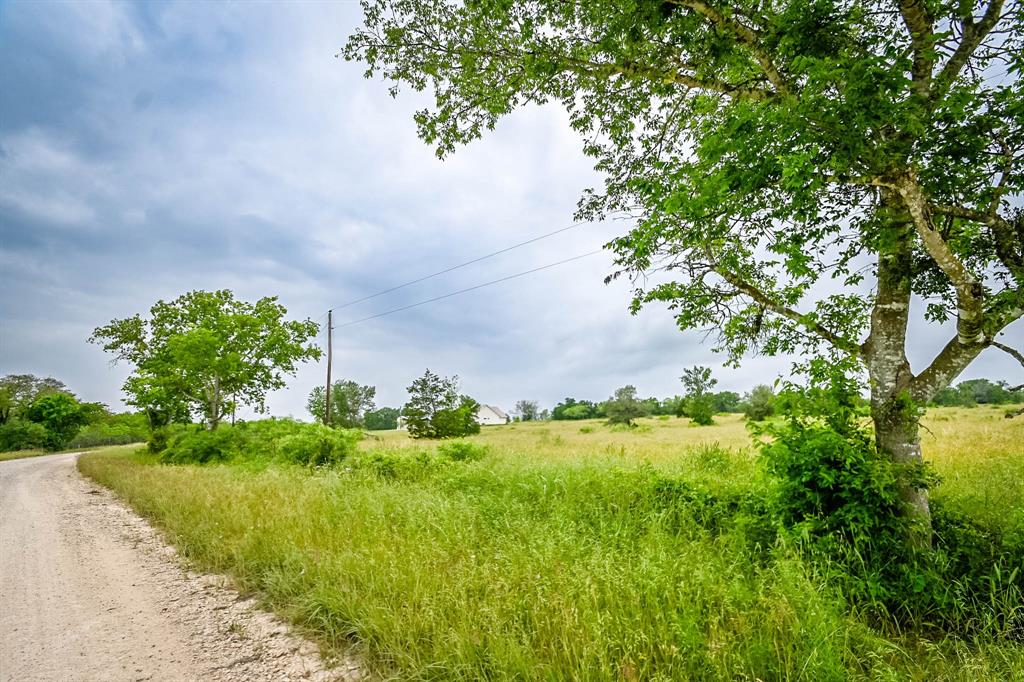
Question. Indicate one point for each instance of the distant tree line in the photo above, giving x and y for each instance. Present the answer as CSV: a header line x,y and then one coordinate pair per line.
x,y
42,413
979,392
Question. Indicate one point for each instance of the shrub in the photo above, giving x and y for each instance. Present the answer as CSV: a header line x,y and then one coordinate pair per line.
x,y
462,450
700,410
285,440
318,445
200,446
109,434
20,434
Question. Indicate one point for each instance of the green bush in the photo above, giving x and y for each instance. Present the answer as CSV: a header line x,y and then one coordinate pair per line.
x,y
462,451
20,434
200,446
109,434
839,499
318,445
701,410
283,440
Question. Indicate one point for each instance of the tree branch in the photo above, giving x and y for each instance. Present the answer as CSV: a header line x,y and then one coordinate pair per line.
x,y
1012,351
969,292
744,34
686,80
1009,248
985,218
952,360
919,23
973,34
802,320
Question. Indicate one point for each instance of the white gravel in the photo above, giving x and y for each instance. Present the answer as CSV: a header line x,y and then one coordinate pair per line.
x,y
89,591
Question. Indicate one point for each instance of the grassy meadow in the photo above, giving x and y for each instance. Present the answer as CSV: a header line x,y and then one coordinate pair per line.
x,y
571,550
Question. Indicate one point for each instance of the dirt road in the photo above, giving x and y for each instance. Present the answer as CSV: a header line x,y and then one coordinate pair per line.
x,y
88,591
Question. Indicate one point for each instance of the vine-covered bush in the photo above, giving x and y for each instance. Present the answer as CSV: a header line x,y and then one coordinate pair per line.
x,y
270,439
837,496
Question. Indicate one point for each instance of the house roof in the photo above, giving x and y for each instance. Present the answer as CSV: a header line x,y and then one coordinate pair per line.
x,y
496,410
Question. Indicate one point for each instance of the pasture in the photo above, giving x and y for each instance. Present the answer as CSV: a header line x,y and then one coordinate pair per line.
x,y
575,550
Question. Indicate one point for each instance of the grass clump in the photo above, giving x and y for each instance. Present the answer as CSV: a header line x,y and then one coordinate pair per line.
x,y
462,451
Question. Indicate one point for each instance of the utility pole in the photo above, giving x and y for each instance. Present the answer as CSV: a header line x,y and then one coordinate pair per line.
x,y
330,354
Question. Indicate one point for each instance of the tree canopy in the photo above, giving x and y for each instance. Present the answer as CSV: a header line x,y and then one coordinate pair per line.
x,y
205,352
19,391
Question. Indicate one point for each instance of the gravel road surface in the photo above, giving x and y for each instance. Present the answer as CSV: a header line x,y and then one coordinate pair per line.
x,y
89,591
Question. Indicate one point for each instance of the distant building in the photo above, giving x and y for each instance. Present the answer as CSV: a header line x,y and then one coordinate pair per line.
x,y
489,415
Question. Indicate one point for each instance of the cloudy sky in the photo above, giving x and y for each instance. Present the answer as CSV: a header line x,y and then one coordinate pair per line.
x,y
154,148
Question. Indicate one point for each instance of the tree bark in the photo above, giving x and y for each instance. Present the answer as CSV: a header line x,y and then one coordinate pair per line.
x,y
895,417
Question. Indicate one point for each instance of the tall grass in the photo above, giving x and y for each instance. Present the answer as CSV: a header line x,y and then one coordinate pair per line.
x,y
559,555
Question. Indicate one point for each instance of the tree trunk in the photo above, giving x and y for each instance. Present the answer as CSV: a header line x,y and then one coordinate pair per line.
x,y
897,434
895,417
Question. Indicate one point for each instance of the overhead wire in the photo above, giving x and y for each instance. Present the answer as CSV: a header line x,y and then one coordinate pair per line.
x,y
468,289
459,265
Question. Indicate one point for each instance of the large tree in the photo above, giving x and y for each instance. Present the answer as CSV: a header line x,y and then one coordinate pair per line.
x,y
205,352
799,171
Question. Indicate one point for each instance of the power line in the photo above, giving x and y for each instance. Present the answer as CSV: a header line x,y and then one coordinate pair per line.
x,y
473,288
460,265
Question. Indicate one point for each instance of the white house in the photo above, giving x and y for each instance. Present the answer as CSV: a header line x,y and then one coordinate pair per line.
x,y
489,415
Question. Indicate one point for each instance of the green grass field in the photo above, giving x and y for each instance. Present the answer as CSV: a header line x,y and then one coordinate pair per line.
x,y
565,554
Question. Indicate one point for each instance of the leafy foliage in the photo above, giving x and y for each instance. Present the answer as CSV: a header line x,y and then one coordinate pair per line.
x,y
436,410
269,440
349,403
462,450
19,391
570,408
623,407
61,415
382,419
760,403
205,352
113,429
22,434
700,401
979,392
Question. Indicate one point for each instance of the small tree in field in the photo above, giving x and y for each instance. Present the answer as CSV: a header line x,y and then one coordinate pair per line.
x,y
436,410
700,402
623,407
760,404
350,402
204,352
528,410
